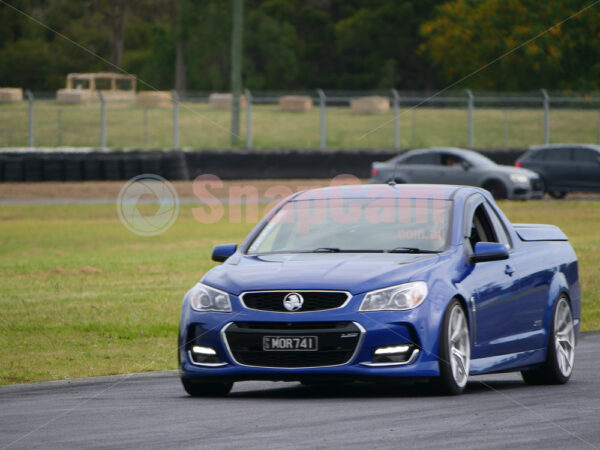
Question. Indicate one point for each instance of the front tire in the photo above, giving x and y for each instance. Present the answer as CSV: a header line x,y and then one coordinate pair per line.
x,y
203,389
560,356
455,351
497,188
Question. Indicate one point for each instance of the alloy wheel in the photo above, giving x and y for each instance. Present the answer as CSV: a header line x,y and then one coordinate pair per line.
x,y
459,346
564,337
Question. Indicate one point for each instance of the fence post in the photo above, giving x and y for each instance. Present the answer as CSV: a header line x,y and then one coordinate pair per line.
x,y
145,127
248,119
470,103
59,126
413,132
598,129
505,129
175,98
396,119
102,120
323,119
546,116
29,95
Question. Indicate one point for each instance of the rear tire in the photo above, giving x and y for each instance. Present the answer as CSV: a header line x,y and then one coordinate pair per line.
x,y
455,351
557,194
560,356
203,389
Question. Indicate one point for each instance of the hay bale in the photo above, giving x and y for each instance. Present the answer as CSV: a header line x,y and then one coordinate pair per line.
x,y
219,100
117,95
154,99
73,96
370,105
299,103
11,95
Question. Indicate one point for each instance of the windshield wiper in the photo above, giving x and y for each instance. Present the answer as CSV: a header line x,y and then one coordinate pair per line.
x,y
410,250
326,250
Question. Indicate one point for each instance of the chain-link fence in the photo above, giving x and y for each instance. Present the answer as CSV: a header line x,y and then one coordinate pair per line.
x,y
327,119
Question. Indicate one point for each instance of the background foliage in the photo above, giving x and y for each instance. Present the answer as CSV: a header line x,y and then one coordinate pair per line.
x,y
295,45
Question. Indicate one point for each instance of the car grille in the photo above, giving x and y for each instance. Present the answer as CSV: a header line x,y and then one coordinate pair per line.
x,y
338,342
313,300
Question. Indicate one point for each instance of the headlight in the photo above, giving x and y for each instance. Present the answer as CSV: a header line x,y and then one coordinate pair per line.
x,y
204,298
519,178
395,298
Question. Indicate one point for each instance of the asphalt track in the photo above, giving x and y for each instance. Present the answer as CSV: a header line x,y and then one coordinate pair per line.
x,y
152,411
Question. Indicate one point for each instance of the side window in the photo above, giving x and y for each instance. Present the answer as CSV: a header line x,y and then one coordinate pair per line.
x,y
481,227
500,231
422,158
539,155
448,159
585,155
558,154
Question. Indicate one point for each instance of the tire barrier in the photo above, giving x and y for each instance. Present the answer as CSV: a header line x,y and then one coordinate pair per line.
x,y
13,168
177,165
92,169
52,168
130,165
74,168
152,163
32,169
112,167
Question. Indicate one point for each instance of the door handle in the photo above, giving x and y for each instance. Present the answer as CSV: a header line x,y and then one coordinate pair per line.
x,y
509,270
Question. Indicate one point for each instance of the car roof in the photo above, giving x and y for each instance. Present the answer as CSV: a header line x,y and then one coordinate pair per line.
x,y
455,150
378,191
551,146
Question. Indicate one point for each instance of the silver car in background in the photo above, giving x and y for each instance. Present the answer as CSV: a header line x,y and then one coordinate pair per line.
x,y
460,167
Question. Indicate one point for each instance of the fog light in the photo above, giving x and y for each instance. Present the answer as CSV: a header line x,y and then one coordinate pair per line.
x,y
203,350
392,350
204,356
394,354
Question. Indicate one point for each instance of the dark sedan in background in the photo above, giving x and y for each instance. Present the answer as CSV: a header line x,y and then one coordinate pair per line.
x,y
459,167
564,167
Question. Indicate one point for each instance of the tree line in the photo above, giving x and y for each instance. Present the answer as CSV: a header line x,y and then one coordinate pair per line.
x,y
305,44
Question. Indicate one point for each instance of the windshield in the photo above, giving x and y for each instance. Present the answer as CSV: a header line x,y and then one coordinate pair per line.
x,y
357,225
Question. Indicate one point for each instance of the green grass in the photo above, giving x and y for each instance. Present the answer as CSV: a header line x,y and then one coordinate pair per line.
x,y
80,295
203,128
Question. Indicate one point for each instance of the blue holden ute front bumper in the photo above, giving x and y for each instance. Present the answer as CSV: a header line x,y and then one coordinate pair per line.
x,y
256,341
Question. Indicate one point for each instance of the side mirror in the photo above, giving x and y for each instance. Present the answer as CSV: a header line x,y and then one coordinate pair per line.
x,y
489,251
598,159
222,252
465,165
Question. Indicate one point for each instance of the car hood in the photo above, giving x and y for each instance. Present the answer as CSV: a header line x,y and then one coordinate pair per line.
x,y
351,272
509,169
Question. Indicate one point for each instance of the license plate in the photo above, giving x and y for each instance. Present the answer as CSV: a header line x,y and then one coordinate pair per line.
x,y
290,343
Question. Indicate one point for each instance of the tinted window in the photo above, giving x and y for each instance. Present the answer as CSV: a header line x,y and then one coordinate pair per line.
x,y
481,227
422,158
585,155
501,234
538,155
558,154
448,159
